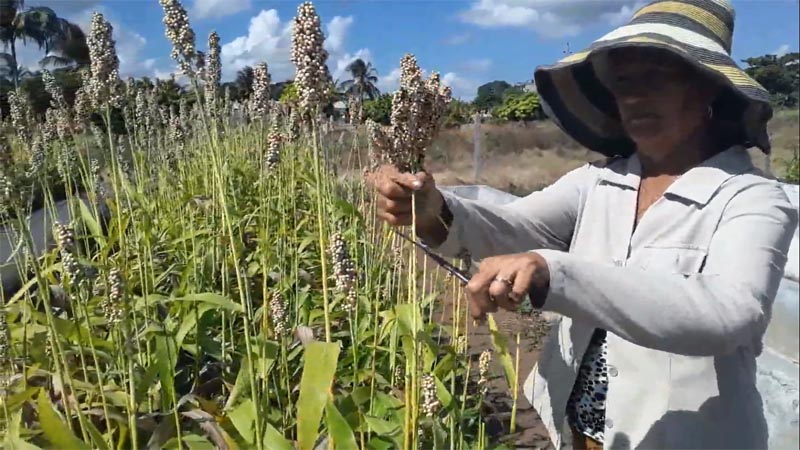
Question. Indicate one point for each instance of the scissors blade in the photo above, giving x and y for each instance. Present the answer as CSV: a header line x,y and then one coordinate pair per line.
x,y
458,273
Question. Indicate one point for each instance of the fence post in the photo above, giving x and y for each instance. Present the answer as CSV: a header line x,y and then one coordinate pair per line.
x,y
476,151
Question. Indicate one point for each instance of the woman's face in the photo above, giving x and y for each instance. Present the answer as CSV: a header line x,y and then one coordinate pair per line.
x,y
660,98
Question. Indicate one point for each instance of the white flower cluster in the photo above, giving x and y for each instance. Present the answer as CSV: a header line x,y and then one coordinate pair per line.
x,y
21,115
273,150
56,93
260,98
112,305
178,31
430,403
212,72
344,270
105,82
483,370
277,307
309,57
417,109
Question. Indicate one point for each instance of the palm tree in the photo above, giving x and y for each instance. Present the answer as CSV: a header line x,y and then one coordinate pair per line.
x,y
244,81
64,39
362,80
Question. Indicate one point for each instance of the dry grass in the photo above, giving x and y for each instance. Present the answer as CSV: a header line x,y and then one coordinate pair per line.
x,y
522,159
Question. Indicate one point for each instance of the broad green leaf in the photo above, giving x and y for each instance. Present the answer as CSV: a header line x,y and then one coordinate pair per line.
x,y
242,385
91,223
315,385
339,429
500,342
442,393
166,358
12,438
195,442
54,426
406,317
211,298
243,417
274,440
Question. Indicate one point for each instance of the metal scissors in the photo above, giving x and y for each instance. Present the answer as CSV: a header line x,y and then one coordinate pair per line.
x,y
462,275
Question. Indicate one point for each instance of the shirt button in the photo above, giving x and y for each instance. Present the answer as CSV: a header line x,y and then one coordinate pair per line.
x,y
612,371
609,424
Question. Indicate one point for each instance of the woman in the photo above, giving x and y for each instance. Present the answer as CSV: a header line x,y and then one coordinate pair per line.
x,y
662,261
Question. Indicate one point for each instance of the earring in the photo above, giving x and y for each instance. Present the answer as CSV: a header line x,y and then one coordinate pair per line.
x,y
710,112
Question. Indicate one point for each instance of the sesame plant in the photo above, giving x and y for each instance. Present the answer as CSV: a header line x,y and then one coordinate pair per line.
x,y
218,286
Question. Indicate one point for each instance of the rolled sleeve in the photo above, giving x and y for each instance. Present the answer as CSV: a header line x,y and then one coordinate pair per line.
x,y
714,312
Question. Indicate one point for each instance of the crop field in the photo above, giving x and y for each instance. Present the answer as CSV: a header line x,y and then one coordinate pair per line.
x,y
221,284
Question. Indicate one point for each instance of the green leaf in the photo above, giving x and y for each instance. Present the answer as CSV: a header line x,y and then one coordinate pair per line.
x,y
242,385
91,223
500,342
54,428
442,393
166,358
12,438
211,298
382,427
274,440
243,417
315,384
339,429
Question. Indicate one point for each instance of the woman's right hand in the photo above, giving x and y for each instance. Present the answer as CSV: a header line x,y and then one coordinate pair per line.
x,y
395,190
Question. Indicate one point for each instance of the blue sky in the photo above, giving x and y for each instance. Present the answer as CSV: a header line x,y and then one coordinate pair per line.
x,y
469,42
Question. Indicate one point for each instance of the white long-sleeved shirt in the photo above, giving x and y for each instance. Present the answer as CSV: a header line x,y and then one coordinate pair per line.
x,y
685,298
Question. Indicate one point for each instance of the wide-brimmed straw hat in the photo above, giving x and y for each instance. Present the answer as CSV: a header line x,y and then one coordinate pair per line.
x,y
699,32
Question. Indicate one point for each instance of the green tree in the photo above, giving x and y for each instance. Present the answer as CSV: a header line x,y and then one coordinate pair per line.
x,y
244,81
518,107
458,113
63,42
379,110
779,75
363,78
490,95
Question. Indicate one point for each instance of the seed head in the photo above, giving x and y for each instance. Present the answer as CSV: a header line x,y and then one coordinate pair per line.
x,y
309,57
21,115
105,81
430,403
4,338
417,108
277,307
178,31
83,98
274,150
260,98
51,86
65,237
344,270
483,370
112,305
212,72
6,194
38,156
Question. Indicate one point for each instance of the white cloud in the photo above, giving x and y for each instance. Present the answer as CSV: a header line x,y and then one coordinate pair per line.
x,y
337,32
782,50
203,9
269,39
463,88
549,18
389,82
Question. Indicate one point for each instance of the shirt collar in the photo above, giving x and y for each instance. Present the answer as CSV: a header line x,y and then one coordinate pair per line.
x,y
698,184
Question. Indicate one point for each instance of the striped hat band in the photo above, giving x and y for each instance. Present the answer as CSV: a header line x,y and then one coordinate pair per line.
x,y
698,31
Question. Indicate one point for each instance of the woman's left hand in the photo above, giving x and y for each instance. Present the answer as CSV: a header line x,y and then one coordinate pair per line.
x,y
504,281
